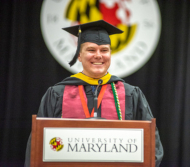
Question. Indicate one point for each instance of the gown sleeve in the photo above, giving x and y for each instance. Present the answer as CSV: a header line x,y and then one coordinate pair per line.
x,y
50,106
142,111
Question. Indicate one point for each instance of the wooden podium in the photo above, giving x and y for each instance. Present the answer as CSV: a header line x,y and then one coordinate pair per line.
x,y
38,125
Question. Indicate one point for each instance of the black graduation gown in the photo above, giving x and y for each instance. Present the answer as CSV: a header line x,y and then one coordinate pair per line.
x,y
136,107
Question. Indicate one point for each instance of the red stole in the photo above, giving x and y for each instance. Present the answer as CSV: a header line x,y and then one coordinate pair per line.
x,y
72,106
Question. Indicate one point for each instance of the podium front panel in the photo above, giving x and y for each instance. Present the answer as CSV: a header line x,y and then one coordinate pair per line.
x,y
38,125
93,145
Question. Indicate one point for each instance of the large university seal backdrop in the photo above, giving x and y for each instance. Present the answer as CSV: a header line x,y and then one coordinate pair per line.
x,y
139,19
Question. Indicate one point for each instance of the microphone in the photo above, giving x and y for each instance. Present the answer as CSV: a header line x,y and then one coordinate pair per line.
x,y
96,114
100,81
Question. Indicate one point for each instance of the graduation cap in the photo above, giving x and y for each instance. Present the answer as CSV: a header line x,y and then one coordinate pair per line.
x,y
96,32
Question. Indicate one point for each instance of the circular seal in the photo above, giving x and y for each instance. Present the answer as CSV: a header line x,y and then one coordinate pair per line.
x,y
139,19
56,144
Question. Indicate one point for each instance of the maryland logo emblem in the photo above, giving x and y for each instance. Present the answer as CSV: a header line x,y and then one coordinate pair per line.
x,y
139,19
56,144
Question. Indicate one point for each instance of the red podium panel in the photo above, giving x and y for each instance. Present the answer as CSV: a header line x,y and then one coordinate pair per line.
x,y
38,125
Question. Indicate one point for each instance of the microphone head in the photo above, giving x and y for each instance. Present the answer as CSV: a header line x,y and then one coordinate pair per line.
x,y
100,81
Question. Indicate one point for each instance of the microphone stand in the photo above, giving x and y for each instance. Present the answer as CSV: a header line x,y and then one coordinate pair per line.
x,y
96,115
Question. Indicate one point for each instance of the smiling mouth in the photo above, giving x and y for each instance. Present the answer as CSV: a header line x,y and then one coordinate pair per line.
x,y
97,63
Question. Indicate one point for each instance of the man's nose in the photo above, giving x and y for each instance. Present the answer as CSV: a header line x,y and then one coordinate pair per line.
x,y
98,55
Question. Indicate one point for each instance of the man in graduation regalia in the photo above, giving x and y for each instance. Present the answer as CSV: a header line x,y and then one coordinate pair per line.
x,y
74,96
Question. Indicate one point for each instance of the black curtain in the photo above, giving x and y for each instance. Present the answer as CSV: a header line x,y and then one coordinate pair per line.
x,y
27,69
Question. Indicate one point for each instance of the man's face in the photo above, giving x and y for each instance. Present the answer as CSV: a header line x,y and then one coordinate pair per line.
x,y
95,59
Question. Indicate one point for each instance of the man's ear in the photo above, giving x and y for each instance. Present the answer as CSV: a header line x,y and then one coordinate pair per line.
x,y
79,57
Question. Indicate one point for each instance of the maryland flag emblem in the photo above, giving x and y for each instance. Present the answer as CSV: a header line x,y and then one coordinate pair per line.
x,y
114,12
56,144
